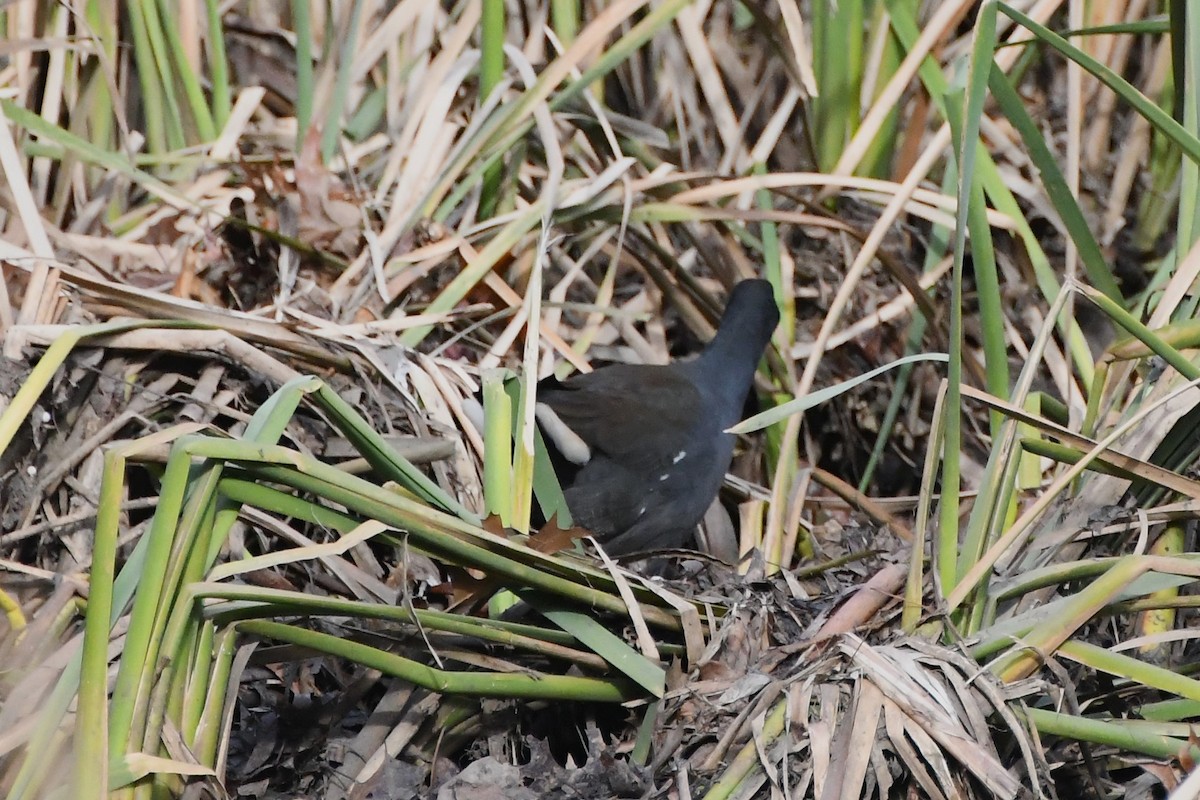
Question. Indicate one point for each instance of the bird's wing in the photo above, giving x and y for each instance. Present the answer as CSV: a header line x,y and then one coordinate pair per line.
x,y
635,414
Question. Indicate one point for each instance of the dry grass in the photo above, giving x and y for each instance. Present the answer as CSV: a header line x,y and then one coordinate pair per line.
x,y
294,586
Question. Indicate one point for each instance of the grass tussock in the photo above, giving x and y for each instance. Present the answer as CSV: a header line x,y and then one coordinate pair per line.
x,y
261,259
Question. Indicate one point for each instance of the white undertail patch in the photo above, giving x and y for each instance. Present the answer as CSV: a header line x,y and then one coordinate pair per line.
x,y
568,442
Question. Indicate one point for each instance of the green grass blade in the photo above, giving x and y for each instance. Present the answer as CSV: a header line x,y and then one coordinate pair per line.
x,y
609,646
1054,182
1127,92
801,404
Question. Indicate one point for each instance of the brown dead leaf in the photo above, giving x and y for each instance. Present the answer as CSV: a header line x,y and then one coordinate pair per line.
x,y
330,214
551,538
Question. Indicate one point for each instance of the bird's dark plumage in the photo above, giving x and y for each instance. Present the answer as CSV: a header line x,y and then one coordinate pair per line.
x,y
646,443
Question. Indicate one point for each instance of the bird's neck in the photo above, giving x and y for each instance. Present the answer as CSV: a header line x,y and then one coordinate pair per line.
x,y
726,367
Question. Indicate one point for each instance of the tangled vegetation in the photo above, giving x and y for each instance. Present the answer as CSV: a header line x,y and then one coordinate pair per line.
x,y
260,258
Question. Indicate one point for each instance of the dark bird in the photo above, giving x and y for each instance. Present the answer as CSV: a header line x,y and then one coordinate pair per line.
x,y
641,450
